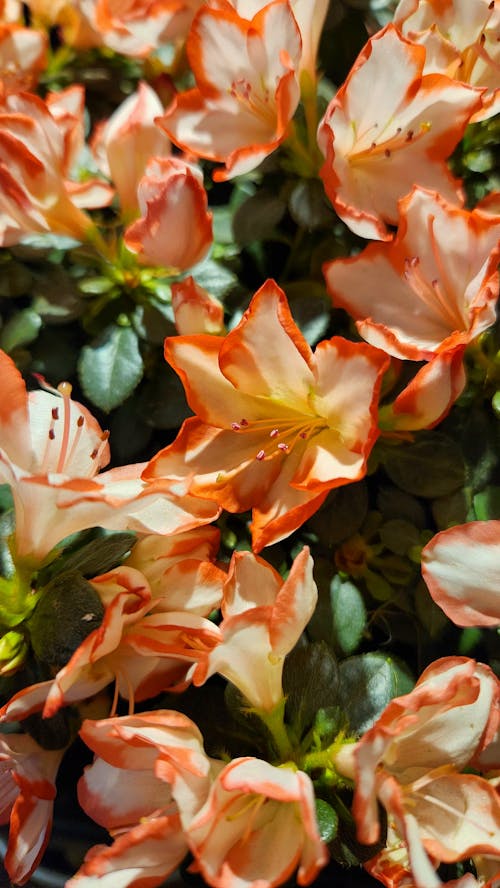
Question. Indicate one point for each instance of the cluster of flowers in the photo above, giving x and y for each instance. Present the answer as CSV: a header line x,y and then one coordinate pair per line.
x,y
146,608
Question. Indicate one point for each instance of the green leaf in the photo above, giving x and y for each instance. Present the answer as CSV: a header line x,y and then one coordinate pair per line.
x,y
110,368
69,609
342,514
349,615
368,682
431,466
487,504
258,217
311,308
215,278
395,503
327,820
309,206
430,615
98,556
310,682
399,535
21,329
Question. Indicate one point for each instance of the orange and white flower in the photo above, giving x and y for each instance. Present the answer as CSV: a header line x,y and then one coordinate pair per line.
x,y
247,89
257,826
23,56
51,451
27,793
377,150
35,194
276,428
147,768
134,27
175,228
195,311
461,39
430,290
263,618
461,567
410,760
146,642
127,141
429,396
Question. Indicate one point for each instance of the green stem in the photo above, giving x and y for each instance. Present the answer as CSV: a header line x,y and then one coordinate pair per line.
x,y
275,723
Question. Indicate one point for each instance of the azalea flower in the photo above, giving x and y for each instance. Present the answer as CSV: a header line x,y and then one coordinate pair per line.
x,y
34,192
195,311
310,16
428,397
148,638
23,56
127,141
136,27
27,793
409,762
256,827
377,150
237,114
462,570
263,618
175,228
51,452
145,767
432,289
461,39
276,429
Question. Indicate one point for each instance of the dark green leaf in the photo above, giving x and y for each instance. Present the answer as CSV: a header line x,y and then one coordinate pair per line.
x,y
349,615
327,820
310,682
110,368
399,535
311,308
368,682
68,610
21,329
97,556
309,206
258,217
431,466
341,515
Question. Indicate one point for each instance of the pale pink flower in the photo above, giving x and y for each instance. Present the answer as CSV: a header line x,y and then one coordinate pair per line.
x,y
23,56
51,451
409,762
175,228
257,827
461,39
263,618
126,142
432,289
377,150
27,793
247,89
195,311
276,428
461,567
